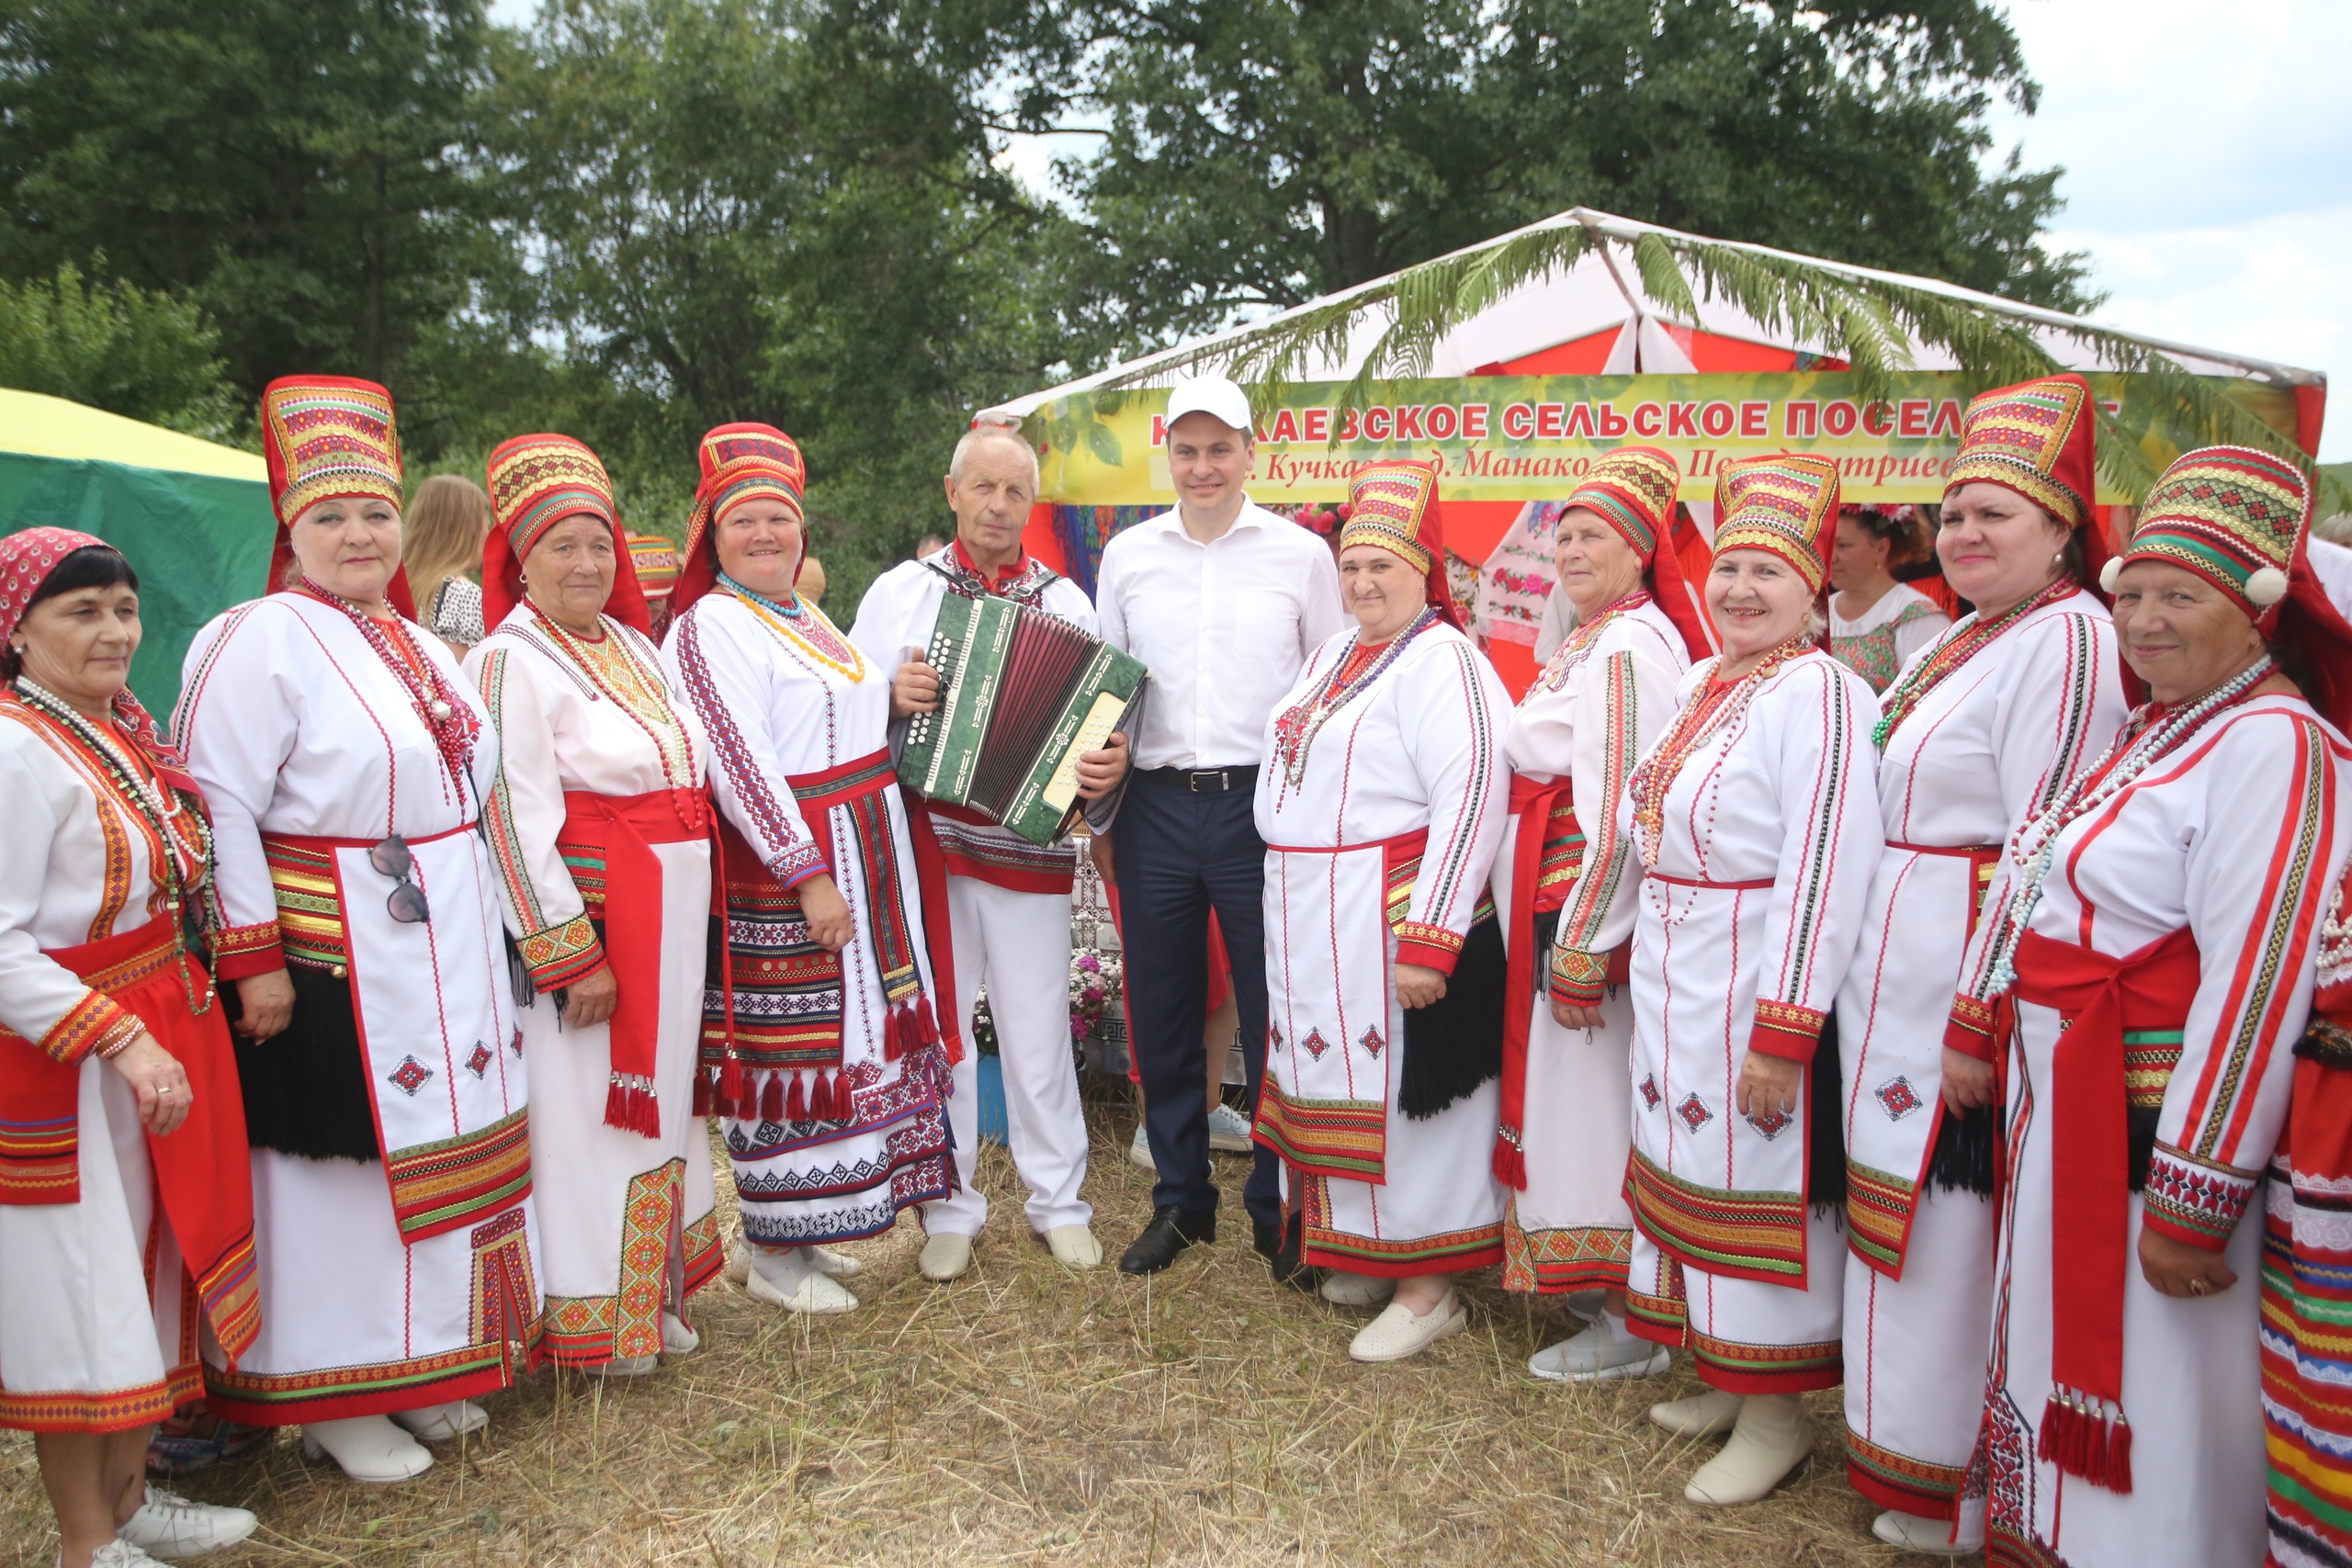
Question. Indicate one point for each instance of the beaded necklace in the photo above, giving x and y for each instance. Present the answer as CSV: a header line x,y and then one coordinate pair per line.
x,y
180,831
612,668
1964,643
451,724
1710,710
2148,736
1296,730
805,625
1570,653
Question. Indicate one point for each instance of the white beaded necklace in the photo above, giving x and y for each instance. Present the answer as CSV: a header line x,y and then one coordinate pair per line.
x,y
2097,785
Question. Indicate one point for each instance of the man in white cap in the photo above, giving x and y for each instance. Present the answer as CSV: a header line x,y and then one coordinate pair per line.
x,y
1008,900
1224,599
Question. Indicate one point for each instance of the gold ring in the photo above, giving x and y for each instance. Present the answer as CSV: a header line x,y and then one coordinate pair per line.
x,y
2198,1287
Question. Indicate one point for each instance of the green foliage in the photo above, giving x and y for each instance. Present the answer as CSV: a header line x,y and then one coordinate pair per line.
x,y
290,165
115,347
1263,153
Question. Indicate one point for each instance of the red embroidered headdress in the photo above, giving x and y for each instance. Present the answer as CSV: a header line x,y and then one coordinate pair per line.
x,y
1633,488
2035,438
327,437
1393,505
738,461
1785,504
535,482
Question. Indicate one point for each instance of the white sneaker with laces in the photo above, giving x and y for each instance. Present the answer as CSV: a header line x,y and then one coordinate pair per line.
x,y
1230,1131
1399,1331
115,1554
1601,1352
1343,1289
1140,1152
168,1527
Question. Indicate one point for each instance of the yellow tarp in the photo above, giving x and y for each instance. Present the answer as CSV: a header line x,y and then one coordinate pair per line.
x,y
39,426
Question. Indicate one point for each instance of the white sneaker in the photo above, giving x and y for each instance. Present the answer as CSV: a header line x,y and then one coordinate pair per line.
x,y
1140,1152
1230,1131
370,1449
677,1339
804,1288
115,1554
1398,1332
1707,1414
1074,1246
945,1257
1771,1438
1601,1352
1343,1289
1933,1537
444,1423
168,1527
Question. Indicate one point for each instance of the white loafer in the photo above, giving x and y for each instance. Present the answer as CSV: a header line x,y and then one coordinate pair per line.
x,y
1598,1354
1343,1289
1932,1537
677,1338
1074,1246
373,1449
444,1423
1398,1332
1707,1414
168,1527
818,1295
739,1265
945,1257
832,1264
1771,1438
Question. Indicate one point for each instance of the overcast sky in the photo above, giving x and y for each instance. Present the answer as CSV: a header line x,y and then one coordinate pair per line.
x,y
2208,151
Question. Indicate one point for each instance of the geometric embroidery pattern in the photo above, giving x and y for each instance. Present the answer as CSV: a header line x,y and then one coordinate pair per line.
x,y
1314,1044
479,1063
1694,1112
1650,1096
1897,1098
410,1076
1772,1124
1372,1042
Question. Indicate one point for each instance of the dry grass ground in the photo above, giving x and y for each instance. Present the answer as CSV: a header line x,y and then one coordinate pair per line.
x,y
1028,1415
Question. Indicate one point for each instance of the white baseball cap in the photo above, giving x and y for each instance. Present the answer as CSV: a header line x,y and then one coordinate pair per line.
x,y
1214,396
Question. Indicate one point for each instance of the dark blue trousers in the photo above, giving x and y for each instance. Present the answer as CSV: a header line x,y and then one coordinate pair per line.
x,y
1179,855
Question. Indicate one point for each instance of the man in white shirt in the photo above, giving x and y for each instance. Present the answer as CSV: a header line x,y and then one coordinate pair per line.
x,y
1225,601
1008,900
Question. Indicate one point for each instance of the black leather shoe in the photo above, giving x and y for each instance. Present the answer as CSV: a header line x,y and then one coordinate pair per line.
x,y
1281,1249
1170,1233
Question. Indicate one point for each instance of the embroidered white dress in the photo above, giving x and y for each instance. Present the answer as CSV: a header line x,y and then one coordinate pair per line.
x,y
2235,838
89,1339
626,1220
402,1283
1879,642
1758,866
1009,904
1987,748
1378,851
783,701
1604,700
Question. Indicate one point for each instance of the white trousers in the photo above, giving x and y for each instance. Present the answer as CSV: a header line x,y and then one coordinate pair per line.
x,y
1017,944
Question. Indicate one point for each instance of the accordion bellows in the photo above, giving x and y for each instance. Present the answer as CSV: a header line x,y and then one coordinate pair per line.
x,y
1022,693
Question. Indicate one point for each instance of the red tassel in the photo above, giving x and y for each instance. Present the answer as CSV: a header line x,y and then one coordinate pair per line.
x,y
795,1104
731,1088
2119,1455
821,1098
772,1098
616,1103
926,1026
844,1108
894,1035
1510,1165
645,1112
702,1094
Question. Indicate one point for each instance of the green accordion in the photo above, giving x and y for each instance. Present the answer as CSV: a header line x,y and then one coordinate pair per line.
x,y
1022,693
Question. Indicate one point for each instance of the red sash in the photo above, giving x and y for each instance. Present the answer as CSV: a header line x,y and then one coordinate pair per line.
x,y
202,1176
620,831
2083,1431
1534,802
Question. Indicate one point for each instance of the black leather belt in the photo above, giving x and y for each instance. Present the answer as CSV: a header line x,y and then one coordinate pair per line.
x,y
1205,781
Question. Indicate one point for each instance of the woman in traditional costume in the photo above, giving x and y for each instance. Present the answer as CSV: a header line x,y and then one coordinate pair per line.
x,y
346,758
1383,804
600,829
2150,942
1979,735
1878,625
126,1218
1604,698
1755,818
823,1044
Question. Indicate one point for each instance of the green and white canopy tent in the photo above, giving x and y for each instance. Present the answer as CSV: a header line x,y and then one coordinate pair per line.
x,y
192,517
